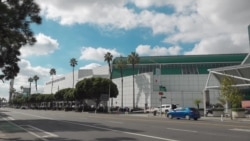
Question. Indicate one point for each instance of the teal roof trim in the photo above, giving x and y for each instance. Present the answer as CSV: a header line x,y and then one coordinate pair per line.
x,y
190,58
153,61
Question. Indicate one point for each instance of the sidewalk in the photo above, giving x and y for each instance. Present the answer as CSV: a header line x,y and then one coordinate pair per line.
x,y
246,119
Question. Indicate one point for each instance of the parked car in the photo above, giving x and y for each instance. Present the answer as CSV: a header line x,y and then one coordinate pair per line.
x,y
165,108
187,113
137,110
24,107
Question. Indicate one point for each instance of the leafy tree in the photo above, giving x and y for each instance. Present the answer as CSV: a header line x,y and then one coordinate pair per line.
x,y
108,57
69,95
2,100
73,63
66,94
19,100
121,64
92,88
30,81
15,19
35,78
230,93
133,59
40,98
52,73
59,95
49,97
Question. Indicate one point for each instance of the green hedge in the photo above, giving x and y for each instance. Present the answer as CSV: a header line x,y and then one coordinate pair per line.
x,y
238,109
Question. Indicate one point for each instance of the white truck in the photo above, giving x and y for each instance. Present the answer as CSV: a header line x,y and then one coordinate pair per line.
x,y
164,108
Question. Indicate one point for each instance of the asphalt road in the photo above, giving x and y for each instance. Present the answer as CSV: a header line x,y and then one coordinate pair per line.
x,y
40,125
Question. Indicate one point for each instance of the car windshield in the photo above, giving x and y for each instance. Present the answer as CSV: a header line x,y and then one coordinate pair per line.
x,y
193,109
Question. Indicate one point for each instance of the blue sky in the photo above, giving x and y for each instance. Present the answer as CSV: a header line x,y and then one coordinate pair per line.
x,y
87,29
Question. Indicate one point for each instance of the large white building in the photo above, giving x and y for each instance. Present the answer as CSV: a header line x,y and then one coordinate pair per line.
x,y
66,81
183,76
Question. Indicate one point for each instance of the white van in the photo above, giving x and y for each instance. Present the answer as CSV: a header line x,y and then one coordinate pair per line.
x,y
165,108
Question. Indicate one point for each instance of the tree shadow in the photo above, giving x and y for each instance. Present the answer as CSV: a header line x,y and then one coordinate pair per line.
x,y
144,88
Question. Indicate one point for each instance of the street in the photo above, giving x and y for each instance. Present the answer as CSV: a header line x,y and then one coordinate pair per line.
x,y
41,125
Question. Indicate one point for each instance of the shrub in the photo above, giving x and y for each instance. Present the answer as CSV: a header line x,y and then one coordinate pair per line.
x,y
218,109
238,109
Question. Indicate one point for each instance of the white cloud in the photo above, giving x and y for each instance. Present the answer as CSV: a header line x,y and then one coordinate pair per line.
x,y
90,66
4,90
26,71
221,45
192,21
44,45
96,54
157,51
103,13
179,6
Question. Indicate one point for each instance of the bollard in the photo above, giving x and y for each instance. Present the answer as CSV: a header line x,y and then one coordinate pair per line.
x,y
221,118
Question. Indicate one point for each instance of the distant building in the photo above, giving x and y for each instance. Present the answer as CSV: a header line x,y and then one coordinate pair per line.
x,y
66,81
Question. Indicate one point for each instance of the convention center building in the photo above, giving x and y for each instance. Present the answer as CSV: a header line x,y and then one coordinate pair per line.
x,y
184,79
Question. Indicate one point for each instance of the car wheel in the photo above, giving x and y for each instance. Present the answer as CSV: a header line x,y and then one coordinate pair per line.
x,y
170,116
195,118
187,117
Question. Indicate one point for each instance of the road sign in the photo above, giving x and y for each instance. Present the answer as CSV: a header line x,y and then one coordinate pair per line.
x,y
104,97
160,93
163,88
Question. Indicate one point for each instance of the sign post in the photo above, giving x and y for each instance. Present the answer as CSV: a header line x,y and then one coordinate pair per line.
x,y
162,89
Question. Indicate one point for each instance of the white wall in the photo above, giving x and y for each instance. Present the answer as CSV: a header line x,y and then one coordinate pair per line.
x,y
181,89
78,75
143,90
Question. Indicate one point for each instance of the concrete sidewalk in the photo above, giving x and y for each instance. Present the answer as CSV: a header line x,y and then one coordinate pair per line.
x,y
246,119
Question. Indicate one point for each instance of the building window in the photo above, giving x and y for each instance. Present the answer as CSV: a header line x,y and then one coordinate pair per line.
x,y
189,69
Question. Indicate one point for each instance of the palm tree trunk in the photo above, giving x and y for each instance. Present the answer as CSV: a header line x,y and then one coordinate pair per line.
x,y
122,93
30,89
73,78
133,87
52,84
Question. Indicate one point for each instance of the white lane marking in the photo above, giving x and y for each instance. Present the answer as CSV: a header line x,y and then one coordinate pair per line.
x,y
32,133
117,122
243,130
45,132
11,118
8,118
193,131
109,129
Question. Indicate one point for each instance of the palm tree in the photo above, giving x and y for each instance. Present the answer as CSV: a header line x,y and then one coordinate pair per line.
x,y
73,63
35,79
133,59
121,64
52,72
108,57
30,80
21,87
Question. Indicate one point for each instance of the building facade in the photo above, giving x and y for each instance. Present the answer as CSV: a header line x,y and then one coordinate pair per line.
x,y
183,76
66,81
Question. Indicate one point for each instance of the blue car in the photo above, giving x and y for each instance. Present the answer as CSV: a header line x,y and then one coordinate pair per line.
x,y
186,113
